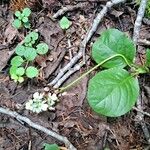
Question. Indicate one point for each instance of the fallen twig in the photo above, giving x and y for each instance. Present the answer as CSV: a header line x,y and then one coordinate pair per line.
x,y
144,42
138,21
141,111
137,27
83,44
38,127
68,8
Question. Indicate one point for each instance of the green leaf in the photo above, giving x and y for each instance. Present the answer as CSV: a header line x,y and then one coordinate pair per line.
x,y
30,54
20,79
20,49
65,23
14,77
27,39
34,35
13,70
42,48
17,61
32,72
16,23
27,25
20,71
25,19
26,12
111,42
17,13
51,147
147,63
112,92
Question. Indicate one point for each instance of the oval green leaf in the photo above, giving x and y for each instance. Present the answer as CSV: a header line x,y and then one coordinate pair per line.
x,y
25,19
20,49
20,71
16,23
26,12
51,147
30,54
32,72
42,48
65,23
17,61
17,13
112,42
112,92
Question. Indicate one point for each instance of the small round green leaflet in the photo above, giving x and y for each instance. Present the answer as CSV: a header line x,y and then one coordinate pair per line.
x,y
20,79
16,23
20,71
112,42
14,77
20,49
65,23
112,92
26,12
30,54
51,147
32,72
25,19
42,48
17,61
17,13
34,35
27,25
12,70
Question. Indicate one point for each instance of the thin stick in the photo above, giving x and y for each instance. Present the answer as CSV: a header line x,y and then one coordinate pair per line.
x,y
141,111
38,127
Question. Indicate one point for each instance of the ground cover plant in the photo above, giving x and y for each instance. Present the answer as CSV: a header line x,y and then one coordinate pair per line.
x,y
74,75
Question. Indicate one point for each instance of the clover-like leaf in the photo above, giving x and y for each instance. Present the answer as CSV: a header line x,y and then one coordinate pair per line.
x,y
20,49
112,92
12,70
65,23
34,35
17,13
51,147
42,48
16,23
111,42
17,61
25,19
20,79
20,71
14,77
27,25
26,12
30,54
32,72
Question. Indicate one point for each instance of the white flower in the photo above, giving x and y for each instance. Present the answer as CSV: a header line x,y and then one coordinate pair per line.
x,y
29,104
36,105
38,95
53,96
51,100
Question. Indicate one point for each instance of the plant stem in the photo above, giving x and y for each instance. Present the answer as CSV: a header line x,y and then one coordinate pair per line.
x,y
101,63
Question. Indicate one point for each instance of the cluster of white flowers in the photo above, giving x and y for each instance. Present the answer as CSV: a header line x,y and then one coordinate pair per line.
x,y
42,102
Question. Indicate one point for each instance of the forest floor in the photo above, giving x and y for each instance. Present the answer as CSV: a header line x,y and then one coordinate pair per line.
x,y
72,118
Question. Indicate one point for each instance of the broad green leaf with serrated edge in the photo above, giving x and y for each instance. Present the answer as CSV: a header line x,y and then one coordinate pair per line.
x,y
16,23
51,147
111,42
147,63
30,54
20,49
65,23
20,71
112,92
26,12
17,61
32,72
42,48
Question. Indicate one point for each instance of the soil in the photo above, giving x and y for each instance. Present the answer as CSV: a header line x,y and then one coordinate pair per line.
x,y
73,117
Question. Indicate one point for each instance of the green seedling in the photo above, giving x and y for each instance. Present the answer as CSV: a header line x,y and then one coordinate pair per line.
x,y
26,54
22,18
115,90
65,23
51,147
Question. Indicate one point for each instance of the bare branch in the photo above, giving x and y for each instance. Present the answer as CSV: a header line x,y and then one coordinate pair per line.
x,y
38,127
